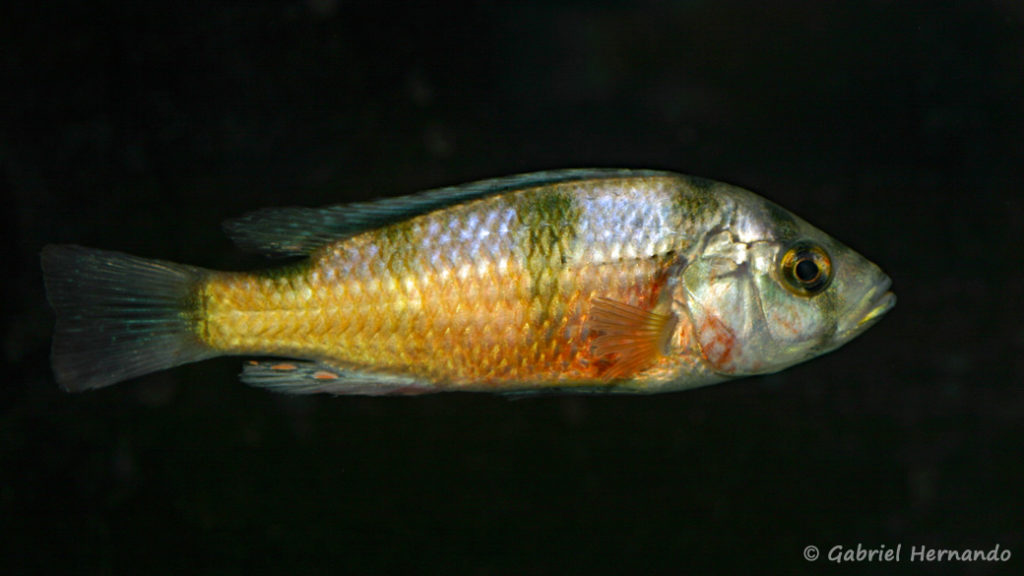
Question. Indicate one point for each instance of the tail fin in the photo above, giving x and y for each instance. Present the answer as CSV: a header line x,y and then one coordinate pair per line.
x,y
119,316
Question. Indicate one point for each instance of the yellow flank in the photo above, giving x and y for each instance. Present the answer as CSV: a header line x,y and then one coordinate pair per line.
x,y
482,295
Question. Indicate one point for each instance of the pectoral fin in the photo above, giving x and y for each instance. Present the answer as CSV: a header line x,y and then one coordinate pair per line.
x,y
633,337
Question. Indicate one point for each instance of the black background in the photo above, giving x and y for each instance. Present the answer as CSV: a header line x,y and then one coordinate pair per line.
x,y
895,126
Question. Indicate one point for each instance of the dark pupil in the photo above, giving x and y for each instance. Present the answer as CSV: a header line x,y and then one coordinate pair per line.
x,y
806,270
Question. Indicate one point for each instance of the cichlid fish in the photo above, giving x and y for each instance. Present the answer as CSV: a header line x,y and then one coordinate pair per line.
x,y
583,280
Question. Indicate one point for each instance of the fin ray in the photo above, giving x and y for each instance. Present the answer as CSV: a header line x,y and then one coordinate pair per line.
x,y
118,316
308,377
634,336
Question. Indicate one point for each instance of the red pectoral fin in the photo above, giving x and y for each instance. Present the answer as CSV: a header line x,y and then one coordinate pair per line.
x,y
634,337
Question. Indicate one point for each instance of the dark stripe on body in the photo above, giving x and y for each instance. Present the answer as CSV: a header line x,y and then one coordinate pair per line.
x,y
550,219
697,206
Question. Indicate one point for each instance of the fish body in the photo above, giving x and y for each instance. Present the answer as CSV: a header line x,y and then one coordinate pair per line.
x,y
582,280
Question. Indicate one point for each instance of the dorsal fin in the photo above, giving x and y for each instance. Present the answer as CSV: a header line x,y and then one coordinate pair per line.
x,y
295,231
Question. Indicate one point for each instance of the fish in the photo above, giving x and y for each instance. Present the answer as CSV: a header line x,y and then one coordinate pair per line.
x,y
564,281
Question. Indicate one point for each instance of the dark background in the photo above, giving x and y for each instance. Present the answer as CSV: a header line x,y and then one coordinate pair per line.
x,y
895,126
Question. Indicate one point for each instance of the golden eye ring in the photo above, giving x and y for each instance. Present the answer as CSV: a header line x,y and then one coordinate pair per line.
x,y
806,268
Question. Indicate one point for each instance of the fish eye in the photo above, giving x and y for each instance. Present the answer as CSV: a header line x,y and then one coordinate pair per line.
x,y
806,268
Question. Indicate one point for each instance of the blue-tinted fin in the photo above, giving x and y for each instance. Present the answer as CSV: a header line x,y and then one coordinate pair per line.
x,y
538,393
118,316
297,231
303,377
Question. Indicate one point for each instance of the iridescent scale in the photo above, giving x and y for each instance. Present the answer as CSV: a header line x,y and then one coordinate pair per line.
x,y
494,292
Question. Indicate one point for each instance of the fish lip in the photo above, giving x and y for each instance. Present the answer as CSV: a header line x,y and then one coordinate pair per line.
x,y
870,309
881,305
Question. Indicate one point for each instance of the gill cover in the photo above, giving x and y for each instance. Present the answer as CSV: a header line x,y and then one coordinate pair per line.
x,y
752,304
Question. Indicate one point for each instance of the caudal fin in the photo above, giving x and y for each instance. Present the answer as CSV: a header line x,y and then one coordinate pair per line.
x,y
119,316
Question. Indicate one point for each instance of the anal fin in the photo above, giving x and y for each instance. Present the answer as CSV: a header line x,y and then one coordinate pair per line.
x,y
307,377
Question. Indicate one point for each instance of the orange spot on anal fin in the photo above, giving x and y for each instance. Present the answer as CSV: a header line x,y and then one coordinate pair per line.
x,y
311,377
634,337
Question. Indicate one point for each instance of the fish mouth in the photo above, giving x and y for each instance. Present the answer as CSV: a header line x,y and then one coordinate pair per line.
x,y
869,309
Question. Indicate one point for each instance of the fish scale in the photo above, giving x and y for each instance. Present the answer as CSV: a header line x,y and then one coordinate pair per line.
x,y
436,289
610,280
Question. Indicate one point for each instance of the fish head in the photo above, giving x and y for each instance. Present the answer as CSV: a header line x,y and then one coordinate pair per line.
x,y
768,290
